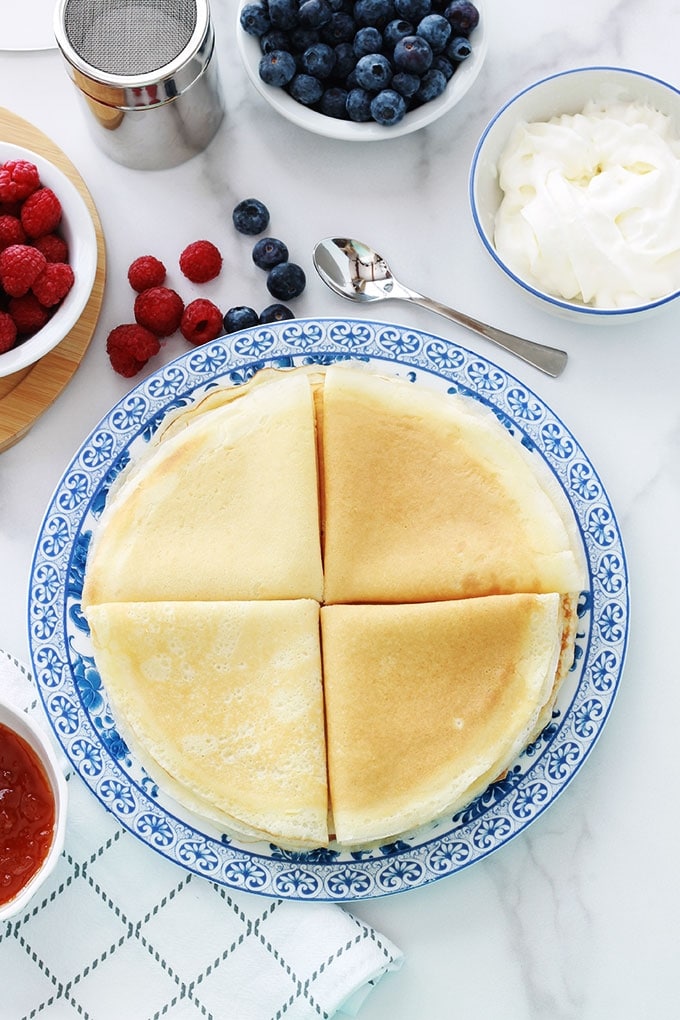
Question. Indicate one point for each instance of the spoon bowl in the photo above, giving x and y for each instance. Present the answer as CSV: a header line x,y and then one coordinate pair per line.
x,y
358,272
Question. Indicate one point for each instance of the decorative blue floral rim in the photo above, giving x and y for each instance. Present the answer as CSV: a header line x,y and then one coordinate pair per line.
x,y
76,702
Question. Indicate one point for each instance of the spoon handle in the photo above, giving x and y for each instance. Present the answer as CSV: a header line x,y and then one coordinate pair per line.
x,y
548,359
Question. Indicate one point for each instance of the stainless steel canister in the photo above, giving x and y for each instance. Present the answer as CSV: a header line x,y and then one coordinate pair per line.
x,y
146,72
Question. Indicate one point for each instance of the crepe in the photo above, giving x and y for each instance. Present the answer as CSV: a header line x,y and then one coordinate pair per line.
x,y
427,498
226,508
426,704
223,703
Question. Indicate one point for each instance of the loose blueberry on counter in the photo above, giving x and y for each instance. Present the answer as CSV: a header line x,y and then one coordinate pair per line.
x,y
240,317
388,107
268,252
286,281
277,68
276,313
250,216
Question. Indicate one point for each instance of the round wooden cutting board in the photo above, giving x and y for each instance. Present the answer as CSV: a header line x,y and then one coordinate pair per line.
x,y
24,395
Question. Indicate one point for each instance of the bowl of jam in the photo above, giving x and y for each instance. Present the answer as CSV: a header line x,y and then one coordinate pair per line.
x,y
33,799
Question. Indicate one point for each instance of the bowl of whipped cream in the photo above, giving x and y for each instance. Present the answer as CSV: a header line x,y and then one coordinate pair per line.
x,y
575,192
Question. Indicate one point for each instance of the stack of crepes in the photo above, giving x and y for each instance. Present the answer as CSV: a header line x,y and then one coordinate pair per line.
x,y
331,606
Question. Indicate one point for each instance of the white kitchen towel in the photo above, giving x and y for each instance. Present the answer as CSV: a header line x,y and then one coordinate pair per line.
x,y
118,931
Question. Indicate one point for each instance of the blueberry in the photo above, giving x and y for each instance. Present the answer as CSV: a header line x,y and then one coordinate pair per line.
x,y
277,39
254,19
268,252
334,103
306,89
388,107
339,29
240,317
314,13
463,16
275,313
250,216
432,84
405,84
345,60
373,12
359,105
301,38
286,281
367,40
444,65
318,60
277,68
436,30
396,30
413,10
459,49
413,54
373,72
283,13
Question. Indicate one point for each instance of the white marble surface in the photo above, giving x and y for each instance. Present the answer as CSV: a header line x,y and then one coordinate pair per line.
x,y
579,917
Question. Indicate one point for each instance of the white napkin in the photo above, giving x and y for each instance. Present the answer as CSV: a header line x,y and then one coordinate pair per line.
x,y
119,931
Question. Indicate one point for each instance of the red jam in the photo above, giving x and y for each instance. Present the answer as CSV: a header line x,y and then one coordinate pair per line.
x,y
27,814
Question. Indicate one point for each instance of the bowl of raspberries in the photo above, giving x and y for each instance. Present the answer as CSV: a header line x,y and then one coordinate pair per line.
x,y
362,70
48,257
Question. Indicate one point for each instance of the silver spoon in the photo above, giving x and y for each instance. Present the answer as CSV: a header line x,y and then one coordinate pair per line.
x,y
357,272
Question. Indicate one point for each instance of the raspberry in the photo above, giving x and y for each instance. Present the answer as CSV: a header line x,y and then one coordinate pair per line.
x,y
201,321
28,314
160,310
53,284
20,266
200,261
18,180
8,332
11,231
129,347
53,247
41,213
145,272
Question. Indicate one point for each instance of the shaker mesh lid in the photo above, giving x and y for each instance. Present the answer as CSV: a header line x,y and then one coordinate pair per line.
x,y
129,37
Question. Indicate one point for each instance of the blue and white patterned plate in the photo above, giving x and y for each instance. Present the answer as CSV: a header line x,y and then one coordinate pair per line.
x,y
76,703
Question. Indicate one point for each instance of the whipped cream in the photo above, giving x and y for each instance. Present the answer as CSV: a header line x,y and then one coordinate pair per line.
x,y
591,205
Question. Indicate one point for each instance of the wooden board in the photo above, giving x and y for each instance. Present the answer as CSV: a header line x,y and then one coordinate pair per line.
x,y
25,394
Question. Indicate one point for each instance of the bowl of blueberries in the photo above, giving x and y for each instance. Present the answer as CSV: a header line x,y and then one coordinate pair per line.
x,y
362,70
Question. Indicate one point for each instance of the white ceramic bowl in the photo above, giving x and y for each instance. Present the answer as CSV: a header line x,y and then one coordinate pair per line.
x,y
78,231
564,93
347,130
28,729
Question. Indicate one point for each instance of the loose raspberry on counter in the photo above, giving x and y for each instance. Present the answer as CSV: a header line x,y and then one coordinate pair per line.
x,y
20,266
129,347
19,178
53,247
8,332
200,261
201,322
28,314
160,310
53,284
41,213
11,231
145,272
